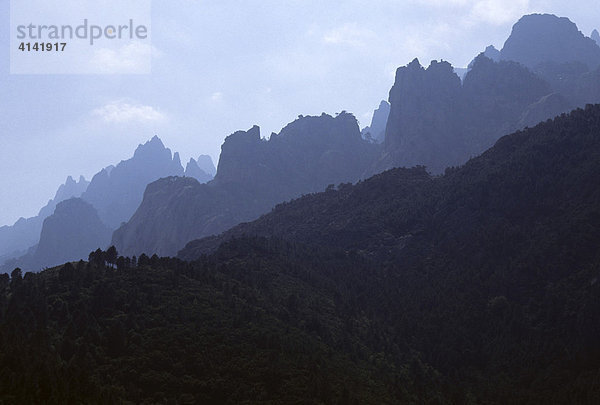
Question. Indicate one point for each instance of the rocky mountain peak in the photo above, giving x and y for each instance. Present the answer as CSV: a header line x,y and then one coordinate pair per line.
x,y
545,38
596,36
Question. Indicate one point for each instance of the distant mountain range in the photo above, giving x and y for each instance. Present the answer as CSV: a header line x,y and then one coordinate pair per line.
x,y
113,196
546,67
433,119
15,240
253,176
376,131
480,286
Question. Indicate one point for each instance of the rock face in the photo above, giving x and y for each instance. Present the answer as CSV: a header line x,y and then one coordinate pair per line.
x,y
596,36
551,105
437,121
537,172
546,68
69,234
25,233
206,164
545,38
376,131
491,53
116,193
555,50
423,112
193,170
253,176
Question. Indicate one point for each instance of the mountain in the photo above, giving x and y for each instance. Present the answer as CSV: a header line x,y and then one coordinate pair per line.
x,y
376,131
544,38
69,234
596,36
491,53
253,175
479,286
192,169
206,164
25,233
117,192
491,270
545,177
437,121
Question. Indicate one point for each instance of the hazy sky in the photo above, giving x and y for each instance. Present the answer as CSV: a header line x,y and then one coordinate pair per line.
x,y
220,66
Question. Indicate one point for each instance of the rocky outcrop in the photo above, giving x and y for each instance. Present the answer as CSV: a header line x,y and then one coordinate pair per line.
x,y
192,169
15,240
253,176
69,234
423,117
544,38
437,121
206,164
376,131
596,36
491,53
547,107
116,193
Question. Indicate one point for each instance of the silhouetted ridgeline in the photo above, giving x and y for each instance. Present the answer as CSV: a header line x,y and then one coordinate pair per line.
x,y
253,176
545,68
480,286
25,233
115,193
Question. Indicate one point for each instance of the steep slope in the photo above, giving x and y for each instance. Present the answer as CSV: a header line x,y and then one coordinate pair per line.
x,y
489,272
253,175
437,121
206,164
376,131
69,234
596,37
544,38
193,170
530,176
545,68
117,192
476,287
558,52
25,233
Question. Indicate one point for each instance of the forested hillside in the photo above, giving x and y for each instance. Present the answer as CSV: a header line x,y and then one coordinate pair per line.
x,y
479,286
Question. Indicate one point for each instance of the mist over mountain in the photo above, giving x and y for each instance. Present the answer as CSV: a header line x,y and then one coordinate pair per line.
x,y
437,121
490,52
545,68
383,215
192,169
116,193
376,131
478,286
206,164
596,36
253,175
69,234
25,233
544,38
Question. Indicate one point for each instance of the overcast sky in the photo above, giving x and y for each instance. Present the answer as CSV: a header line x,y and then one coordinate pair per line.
x,y
221,66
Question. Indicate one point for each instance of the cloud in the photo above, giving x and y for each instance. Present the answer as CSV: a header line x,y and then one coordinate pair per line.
x,y
499,12
495,12
349,34
119,112
217,96
133,58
